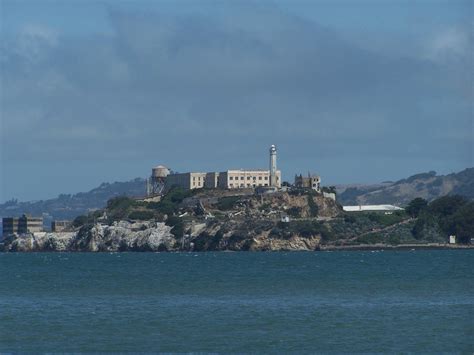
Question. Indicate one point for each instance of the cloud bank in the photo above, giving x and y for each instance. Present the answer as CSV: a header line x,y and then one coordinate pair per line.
x,y
213,91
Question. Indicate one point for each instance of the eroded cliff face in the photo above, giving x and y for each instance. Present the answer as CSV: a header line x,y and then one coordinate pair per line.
x,y
121,236
251,235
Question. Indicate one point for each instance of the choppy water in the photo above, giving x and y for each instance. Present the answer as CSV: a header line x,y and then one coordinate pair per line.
x,y
238,302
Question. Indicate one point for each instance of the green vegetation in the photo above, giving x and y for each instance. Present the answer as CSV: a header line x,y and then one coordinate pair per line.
x,y
294,212
305,228
313,207
169,204
387,219
372,238
416,206
448,215
177,224
143,215
227,203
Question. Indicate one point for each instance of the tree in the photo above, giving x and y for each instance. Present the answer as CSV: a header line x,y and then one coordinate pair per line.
x,y
463,222
416,206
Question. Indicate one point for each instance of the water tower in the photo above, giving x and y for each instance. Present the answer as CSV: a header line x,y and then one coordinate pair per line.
x,y
156,182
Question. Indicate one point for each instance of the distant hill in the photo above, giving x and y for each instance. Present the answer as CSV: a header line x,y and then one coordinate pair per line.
x,y
426,185
70,206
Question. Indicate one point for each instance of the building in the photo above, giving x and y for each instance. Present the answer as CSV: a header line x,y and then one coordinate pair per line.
x,y
452,239
10,226
308,182
239,179
60,226
28,224
186,181
362,208
211,181
24,224
229,179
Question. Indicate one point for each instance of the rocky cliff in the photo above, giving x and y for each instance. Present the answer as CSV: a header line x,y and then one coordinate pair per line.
x,y
121,236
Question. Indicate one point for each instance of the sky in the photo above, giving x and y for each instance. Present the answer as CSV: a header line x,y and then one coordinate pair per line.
x,y
356,91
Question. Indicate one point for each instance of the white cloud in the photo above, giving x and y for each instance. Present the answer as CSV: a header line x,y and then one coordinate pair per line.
x,y
450,44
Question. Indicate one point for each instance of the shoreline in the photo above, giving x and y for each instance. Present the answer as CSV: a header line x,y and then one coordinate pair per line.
x,y
361,247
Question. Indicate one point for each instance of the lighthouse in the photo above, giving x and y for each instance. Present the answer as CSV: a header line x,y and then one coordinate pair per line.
x,y
273,166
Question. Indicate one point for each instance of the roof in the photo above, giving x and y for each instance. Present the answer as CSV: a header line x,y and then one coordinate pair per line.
x,y
371,208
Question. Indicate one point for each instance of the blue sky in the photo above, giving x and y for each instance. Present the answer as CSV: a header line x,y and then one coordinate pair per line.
x,y
357,91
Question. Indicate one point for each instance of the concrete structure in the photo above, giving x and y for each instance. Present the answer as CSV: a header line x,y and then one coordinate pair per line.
x,y
229,179
362,208
24,224
211,181
9,226
236,179
273,167
185,180
60,226
308,182
29,224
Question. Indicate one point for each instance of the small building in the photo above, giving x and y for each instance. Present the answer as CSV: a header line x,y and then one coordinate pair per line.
x,y
60,226
452,239
308,182
24,224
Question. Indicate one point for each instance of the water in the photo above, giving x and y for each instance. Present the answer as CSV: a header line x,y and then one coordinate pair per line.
x,y
238,302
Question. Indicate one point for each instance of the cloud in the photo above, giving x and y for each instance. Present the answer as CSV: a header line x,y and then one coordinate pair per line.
x,y
451,43
190,89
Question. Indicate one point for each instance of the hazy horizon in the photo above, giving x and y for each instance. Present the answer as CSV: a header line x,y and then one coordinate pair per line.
x,y
359,92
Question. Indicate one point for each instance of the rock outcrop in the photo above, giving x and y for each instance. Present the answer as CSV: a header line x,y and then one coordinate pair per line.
x,y
121,236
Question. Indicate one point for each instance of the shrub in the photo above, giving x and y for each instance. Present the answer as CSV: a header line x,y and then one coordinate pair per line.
x,y
294,212
141,215
313,207
227,202
416,206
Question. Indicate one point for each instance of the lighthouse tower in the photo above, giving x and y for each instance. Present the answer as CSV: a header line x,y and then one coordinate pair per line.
x,y
273,166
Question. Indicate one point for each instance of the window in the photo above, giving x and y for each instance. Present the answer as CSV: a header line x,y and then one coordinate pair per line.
x,y
231,185
266,184
266,177
231,178
248,177
241,178
254,177
260,178
248,185
241,185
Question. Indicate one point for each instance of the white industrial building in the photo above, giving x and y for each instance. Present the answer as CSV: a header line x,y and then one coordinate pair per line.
x,y
366,208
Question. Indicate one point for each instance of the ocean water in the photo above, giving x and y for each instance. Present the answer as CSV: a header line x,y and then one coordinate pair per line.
x,y
358,301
